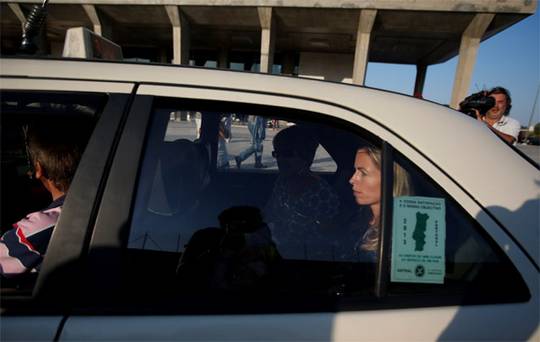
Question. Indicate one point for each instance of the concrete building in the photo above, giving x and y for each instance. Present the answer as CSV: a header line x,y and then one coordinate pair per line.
x,y
327,39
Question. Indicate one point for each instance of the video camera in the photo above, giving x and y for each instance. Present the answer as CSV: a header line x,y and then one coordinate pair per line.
x,y
479,101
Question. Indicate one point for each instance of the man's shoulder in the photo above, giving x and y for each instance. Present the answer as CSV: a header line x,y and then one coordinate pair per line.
x,y
511,121
507,122
23,247
38,221
510,126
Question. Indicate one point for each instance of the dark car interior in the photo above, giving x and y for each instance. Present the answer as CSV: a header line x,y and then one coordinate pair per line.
x,y
21,192
241,191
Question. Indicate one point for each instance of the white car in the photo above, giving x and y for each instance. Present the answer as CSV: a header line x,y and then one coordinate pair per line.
x,y
155,243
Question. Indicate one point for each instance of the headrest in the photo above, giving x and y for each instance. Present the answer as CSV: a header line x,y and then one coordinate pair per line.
x,y
182,174
241,219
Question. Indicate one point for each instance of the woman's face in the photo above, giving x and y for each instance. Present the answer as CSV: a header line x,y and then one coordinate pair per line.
x,y
366,180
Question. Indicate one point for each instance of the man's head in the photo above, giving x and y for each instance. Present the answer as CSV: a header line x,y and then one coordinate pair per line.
x,y
294,149
55,151
503,103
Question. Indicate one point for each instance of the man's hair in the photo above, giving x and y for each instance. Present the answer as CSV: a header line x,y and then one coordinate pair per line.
x,y
58,149
506,93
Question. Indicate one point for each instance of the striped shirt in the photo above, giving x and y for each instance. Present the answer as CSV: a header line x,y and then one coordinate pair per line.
x,y
22,248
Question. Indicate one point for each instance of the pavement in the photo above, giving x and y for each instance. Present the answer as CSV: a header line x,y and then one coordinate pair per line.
x,y
241,139
531,151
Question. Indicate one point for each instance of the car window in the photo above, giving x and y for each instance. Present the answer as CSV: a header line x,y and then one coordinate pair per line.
x,y
437,248
238,151
49,129
271,232
276,217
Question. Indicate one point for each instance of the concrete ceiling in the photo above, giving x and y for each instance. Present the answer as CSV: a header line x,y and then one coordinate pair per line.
x,y
399,35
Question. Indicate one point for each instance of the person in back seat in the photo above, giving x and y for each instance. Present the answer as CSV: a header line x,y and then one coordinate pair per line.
x,y
366,188
54,152
302,205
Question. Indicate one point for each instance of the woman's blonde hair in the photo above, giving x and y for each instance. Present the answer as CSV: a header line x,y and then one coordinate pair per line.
x,y
401,187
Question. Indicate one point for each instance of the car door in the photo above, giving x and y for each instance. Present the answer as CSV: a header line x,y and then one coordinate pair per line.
x,y
34,305
140,285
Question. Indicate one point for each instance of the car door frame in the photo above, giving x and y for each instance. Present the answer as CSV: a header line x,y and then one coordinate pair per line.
x,y
56,288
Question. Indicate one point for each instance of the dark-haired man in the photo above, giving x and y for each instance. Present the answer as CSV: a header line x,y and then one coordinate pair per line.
x,y
54,154
497,117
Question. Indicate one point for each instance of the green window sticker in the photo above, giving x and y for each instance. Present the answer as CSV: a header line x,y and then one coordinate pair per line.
x,y
418,240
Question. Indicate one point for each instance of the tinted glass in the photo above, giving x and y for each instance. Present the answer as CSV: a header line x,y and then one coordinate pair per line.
x,y
234,201
288,218
440,249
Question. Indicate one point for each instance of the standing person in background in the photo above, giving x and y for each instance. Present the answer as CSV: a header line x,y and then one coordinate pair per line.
x,y
497,117
257,129
275,124
224,136
227,127
198,121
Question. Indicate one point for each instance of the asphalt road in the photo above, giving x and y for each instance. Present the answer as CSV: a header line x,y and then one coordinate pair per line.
x,y
241,139
531,151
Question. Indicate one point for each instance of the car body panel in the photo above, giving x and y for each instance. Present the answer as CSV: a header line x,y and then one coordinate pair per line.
x,y
29,328
453,149
15,83
430,324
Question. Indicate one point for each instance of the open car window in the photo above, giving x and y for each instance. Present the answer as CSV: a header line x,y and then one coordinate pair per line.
x,y
58,120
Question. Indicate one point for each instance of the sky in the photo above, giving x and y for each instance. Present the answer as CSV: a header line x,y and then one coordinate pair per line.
x,y
509,59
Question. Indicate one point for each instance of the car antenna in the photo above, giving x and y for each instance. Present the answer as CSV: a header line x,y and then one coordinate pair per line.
x,y
32,27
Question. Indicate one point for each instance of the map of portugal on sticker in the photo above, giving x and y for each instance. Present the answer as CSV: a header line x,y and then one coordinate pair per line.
x,y
418,240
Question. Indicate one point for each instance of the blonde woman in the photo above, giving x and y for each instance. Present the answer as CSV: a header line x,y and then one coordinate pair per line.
x,y
366,187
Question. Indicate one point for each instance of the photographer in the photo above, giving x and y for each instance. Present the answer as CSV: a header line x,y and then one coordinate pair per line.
x,y
496,118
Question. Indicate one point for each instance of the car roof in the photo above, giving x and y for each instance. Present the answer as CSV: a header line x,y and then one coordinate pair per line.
x,y
491,172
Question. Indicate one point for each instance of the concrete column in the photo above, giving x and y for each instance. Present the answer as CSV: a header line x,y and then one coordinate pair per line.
x,y
181,35
361,53
94,18
248,64
267,38
223,59
16,8
56,49
470,41
101,24
421,71
287,64
163,56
